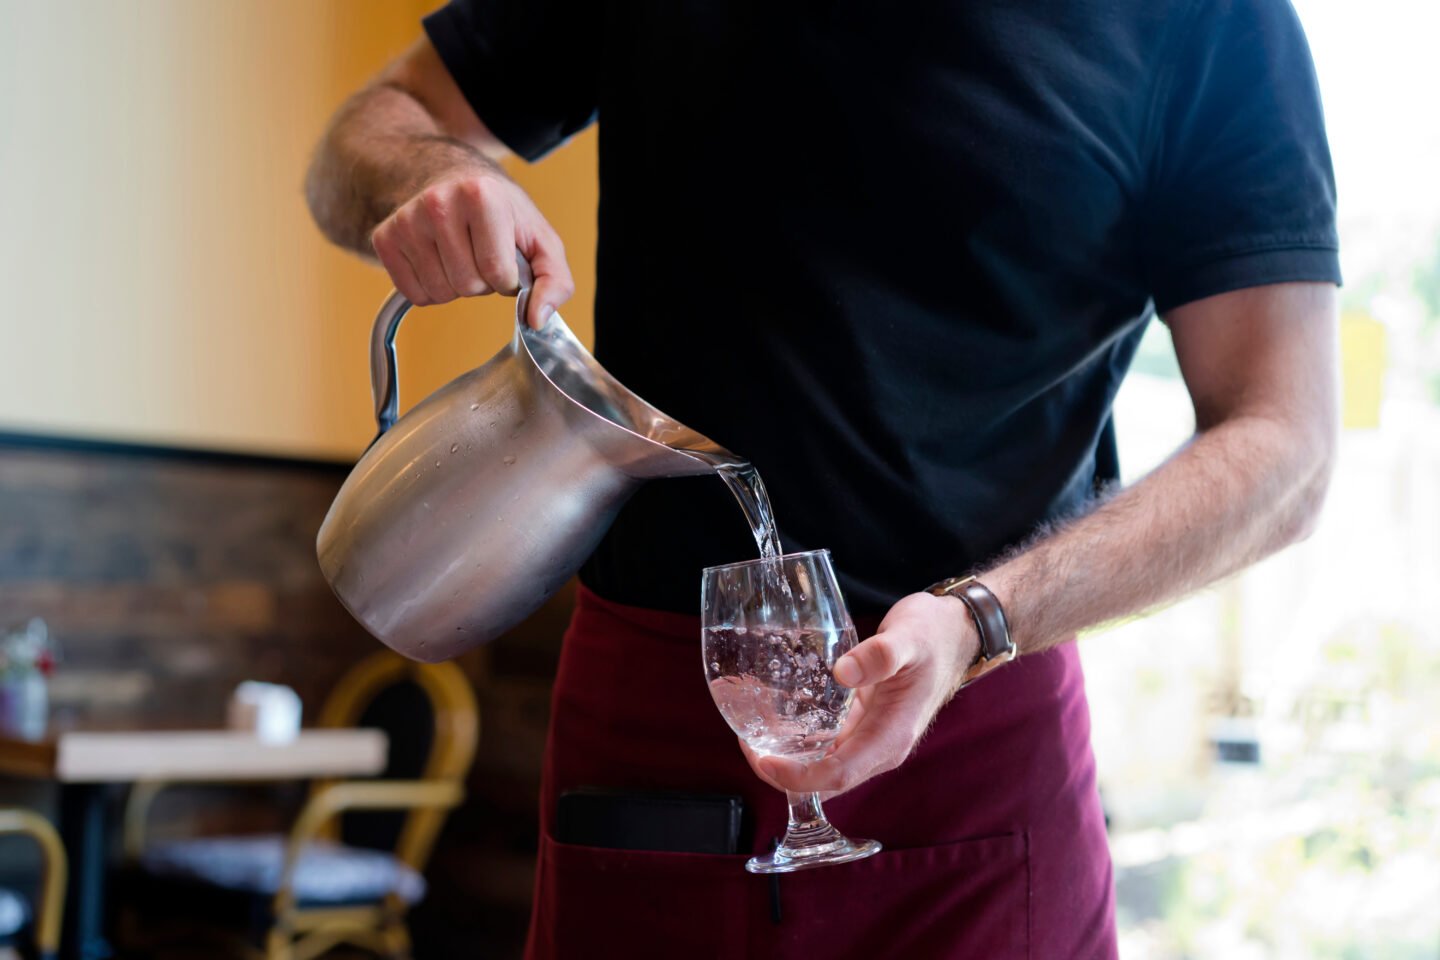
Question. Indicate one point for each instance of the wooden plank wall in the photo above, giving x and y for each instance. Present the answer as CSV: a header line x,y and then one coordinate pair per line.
x,y
169,577
178,577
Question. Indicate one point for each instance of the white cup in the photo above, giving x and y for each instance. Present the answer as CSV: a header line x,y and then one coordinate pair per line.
x,y
271,711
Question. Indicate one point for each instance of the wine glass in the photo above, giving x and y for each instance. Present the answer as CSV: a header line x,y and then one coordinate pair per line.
x,y
772,630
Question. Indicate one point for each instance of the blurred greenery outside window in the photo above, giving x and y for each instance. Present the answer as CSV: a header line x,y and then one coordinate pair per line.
x,y
1269,750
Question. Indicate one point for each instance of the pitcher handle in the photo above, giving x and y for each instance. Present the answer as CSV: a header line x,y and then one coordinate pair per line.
x,y
384,376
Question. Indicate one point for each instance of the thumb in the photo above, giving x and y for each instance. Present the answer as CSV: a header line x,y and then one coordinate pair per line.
x,y
877,659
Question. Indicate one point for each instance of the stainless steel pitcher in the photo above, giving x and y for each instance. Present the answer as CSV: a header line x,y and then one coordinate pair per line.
x,y
470,511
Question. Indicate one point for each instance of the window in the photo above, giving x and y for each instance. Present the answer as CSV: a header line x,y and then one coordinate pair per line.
x,y
1269,751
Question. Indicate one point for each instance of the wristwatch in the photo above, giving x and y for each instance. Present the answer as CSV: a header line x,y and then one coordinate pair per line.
x,y
996,647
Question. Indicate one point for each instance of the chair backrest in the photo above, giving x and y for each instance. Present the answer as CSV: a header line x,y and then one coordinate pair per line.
x,y
50,904
390,692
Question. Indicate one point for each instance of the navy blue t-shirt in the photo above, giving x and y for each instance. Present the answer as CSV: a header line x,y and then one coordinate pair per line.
x,y
900,254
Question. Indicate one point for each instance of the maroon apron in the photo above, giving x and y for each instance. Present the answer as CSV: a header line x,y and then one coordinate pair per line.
x,y
994,839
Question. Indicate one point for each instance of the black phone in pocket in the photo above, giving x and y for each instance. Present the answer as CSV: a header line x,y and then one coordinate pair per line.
x,y
667,822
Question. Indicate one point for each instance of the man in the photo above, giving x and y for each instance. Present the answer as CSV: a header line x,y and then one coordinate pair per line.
x,y
900,256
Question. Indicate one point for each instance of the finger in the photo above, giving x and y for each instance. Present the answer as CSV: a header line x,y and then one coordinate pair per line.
x,y
485,290
818,777
416,239
847,730
754,760
491,224
877,659
554,284
398,266
790,777
792,772
877,744
425,262
448,223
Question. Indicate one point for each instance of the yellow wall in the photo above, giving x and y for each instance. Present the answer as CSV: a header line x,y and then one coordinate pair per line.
x,y
163,281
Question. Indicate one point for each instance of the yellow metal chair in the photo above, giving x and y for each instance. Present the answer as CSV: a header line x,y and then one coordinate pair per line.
x,y
50,902
304,923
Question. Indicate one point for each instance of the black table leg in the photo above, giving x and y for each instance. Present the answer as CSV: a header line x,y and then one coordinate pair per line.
x,y
84,828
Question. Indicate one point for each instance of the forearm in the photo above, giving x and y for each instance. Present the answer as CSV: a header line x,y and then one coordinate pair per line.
x,y
381,149
1235,493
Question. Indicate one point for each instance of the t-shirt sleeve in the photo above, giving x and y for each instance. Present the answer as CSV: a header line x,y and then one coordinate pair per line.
x,y
1241,191
529,68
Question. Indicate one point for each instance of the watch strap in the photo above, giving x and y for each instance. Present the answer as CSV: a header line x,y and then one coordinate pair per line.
x,y
995,646
989,616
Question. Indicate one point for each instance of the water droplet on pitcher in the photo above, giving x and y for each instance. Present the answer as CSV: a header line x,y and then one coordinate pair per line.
x,y
437,463
510,460
774,666
474,406
454,447
714,666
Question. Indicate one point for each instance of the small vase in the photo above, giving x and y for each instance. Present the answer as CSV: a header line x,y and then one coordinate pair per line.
x,y
24,706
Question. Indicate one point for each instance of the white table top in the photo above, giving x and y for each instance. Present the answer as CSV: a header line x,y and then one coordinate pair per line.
x,y
87,756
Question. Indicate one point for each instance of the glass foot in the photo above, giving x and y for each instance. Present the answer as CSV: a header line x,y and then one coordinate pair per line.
x,y
787,859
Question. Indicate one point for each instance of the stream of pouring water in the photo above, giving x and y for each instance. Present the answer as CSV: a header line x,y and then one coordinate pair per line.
x,y
745,483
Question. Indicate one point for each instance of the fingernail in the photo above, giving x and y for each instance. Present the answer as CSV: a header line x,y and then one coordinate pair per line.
x,y
848,672
544,314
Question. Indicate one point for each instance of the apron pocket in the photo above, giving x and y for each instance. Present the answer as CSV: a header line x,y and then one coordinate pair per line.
x,y
599,902
950,901
966,899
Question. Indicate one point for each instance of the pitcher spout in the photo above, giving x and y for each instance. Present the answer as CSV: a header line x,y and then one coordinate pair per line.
x,y
633,435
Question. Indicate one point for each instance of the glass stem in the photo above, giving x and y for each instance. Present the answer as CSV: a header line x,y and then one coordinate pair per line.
x,y
808,827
